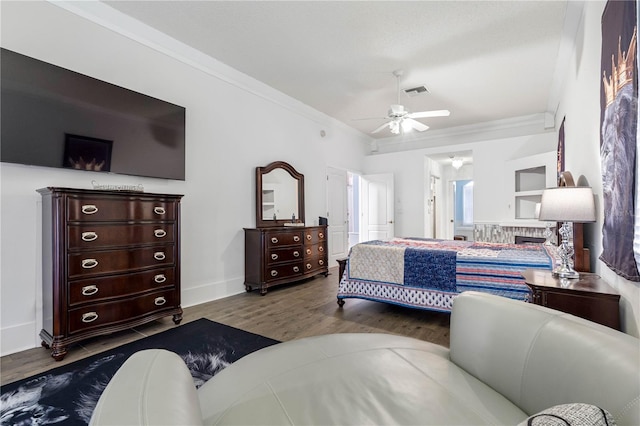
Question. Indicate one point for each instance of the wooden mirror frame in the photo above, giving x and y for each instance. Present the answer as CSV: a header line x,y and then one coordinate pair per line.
x,y
260,171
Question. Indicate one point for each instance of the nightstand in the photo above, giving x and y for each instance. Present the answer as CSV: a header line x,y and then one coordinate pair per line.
x,y
588,296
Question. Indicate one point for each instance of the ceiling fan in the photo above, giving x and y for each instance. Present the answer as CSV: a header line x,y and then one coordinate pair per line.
x,y
401,120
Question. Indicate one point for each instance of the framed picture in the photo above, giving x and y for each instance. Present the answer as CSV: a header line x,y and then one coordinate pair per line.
x,y
85,153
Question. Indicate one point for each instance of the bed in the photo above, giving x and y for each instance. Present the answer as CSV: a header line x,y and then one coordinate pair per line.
x,y
428,273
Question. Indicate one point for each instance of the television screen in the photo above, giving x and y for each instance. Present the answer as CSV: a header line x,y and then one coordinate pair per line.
x,y
54,117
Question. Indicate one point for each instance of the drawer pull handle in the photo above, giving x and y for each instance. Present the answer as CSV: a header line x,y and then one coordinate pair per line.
x,y
274,240
308,266
89,263
321,235
309,237
321,262
159,210
308,251
89,290
274,256
274,273
89,317
296,238
89,209
296,269
89,236
296,253
160,301
159,255
160,278
320,248
159,233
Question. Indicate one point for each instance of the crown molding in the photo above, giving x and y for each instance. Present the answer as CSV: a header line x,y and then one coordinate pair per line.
x,y
498,129
120,23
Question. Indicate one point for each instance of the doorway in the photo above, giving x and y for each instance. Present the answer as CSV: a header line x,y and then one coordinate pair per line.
x,y
368,209
353,208
448,195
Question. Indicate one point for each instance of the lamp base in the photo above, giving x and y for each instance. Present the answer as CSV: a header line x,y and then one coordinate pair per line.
x,y
565,271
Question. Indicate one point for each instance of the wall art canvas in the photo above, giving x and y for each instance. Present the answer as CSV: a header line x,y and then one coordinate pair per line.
x,y
560,154
618,132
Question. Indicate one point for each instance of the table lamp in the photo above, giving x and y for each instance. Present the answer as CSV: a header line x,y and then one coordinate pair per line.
x,y
567,204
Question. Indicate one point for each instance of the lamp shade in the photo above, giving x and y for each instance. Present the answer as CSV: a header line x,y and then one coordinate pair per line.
x,y
568,204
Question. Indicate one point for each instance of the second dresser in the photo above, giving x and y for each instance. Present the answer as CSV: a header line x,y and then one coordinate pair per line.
x,y
281,255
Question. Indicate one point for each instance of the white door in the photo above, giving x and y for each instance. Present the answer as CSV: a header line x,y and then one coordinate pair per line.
x,y
377,207
337,214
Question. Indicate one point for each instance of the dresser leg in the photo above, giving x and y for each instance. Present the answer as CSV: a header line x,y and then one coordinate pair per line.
x,y
58,351
45,345
263,290
177,318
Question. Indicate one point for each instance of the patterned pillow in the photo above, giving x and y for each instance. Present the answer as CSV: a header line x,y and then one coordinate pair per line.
x,y
570,415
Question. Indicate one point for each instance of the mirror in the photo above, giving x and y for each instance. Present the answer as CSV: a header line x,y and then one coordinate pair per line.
x,y
279,195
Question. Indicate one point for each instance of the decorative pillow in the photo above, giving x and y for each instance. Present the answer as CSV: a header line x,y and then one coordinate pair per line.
x,y
571,415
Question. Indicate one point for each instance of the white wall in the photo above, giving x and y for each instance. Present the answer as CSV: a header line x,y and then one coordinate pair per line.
x,y
491,199
580,104
229,131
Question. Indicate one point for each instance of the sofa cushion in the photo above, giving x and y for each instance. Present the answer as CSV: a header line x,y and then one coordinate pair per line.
x,y
571,414
352,379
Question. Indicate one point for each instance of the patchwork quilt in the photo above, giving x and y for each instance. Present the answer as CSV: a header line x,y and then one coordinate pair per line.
x,y
428,273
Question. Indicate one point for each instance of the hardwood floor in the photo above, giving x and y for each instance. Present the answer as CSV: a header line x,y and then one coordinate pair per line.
x,y
284,313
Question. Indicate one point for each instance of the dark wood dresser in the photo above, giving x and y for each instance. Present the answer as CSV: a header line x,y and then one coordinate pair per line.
x,y
588,296
111,261
281,255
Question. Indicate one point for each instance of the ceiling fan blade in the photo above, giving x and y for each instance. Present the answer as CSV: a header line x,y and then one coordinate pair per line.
x,y
381,127
425,114
416,124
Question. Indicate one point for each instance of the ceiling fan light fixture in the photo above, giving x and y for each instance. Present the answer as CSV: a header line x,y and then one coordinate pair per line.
x,y
406,126
456,163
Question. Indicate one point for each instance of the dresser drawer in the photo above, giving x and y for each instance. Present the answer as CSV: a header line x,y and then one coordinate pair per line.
x,y
98,209
109,261
278,272
89,236
284,255
102,288
314,250
314,264
275,239
314,236
112,313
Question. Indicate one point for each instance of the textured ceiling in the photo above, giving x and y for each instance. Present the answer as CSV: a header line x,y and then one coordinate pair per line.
x,y
482,60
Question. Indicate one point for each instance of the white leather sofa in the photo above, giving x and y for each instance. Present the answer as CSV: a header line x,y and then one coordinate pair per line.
x,y
507,360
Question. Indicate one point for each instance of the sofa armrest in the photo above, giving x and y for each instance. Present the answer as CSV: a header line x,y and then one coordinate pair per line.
x,y
538,357
153,387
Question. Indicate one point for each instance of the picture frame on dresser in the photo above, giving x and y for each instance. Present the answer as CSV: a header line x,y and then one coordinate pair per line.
x,y
110,261
282,249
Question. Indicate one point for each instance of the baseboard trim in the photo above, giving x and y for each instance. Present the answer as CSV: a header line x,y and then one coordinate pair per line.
x,y
18,338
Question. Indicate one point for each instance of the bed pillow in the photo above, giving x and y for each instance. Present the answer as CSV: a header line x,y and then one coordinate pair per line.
x,y
569,415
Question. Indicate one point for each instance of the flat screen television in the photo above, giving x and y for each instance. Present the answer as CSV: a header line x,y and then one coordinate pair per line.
x,y
53,117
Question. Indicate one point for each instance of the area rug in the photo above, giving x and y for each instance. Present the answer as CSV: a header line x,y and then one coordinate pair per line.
x,y
67,395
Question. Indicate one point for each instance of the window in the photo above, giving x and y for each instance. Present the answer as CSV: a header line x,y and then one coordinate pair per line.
x,y
463,190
